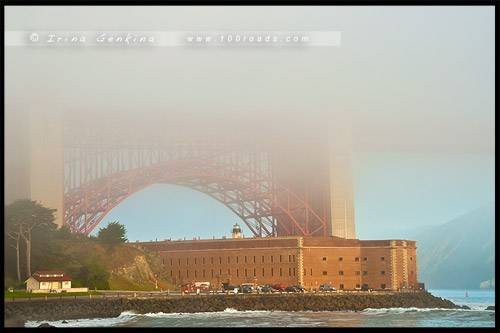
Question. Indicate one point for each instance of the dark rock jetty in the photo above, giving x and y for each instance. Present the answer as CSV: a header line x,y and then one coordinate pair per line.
x,y
19,312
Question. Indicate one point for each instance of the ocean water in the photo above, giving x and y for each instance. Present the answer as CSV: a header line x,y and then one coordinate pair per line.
x,y
477,316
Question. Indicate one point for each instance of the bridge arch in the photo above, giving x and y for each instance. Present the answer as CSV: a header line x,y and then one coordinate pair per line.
x,y
255,203
98,176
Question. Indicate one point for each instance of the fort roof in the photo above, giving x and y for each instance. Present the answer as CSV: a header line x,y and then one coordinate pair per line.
x,y
261,242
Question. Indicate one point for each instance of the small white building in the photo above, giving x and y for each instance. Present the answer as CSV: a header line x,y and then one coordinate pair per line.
x,y
50,281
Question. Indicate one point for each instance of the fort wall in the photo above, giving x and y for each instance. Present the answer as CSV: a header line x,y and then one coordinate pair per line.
x,y
308,261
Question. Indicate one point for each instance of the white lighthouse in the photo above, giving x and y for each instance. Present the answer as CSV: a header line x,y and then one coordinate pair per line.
x,y
236,231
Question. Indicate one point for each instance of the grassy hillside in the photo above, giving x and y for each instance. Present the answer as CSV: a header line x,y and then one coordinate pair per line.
x,y
128,267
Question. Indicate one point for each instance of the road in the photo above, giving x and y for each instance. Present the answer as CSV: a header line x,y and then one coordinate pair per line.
x,y
115,294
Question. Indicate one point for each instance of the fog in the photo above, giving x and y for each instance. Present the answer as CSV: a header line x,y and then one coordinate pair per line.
x,y
412,78
404,79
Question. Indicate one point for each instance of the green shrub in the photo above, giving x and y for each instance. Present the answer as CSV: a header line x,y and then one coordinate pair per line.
x,y
95,275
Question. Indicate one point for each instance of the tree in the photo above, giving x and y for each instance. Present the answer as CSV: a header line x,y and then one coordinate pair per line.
x,y
14,234
63,233
113,233
95,275
22,218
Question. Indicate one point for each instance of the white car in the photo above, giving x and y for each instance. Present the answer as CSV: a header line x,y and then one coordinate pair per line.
x,y
327,287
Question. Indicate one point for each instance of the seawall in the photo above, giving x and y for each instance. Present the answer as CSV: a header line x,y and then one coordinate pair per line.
x,y
17,313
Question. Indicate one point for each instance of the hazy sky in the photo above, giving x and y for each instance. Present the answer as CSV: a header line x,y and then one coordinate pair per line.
x,y
415,83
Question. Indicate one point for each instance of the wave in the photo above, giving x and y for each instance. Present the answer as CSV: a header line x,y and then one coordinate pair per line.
x,y
227,311
410,310
125,316
128,313
131,317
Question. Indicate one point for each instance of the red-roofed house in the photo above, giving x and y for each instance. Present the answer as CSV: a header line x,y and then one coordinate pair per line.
x,y
50,281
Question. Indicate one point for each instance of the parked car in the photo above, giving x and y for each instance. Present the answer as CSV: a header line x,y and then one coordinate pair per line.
x,y
252,286
291,289
300,289
267,289
245,289
366,288
279,287
327,287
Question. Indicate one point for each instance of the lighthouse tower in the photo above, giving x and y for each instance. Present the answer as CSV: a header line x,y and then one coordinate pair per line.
x,y
236,231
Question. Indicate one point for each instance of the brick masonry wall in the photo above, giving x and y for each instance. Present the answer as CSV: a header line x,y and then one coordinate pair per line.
x,y
307,261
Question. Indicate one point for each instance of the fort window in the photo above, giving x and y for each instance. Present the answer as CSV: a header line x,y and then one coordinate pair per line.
x,y
254,259
341,286
195,273
324,259
365,259
382,272
179,261
411,273
311,271
203,260
187,273
271,259
272,271
357,285
237,260
294,271
245,259
341,259
220,260
341,272
179,273
280,257
304,272
383,286
357,273
203,273
382,258
246,272
228,271
289,271
281,271
237,272
212,273
228,261
325,273
289,258
195,260
293,257
212,260
365,273
171,261
262,259
262,271
356,259
187,261
254,272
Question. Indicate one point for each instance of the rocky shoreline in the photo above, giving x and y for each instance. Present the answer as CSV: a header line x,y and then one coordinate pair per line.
x,y
16,314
